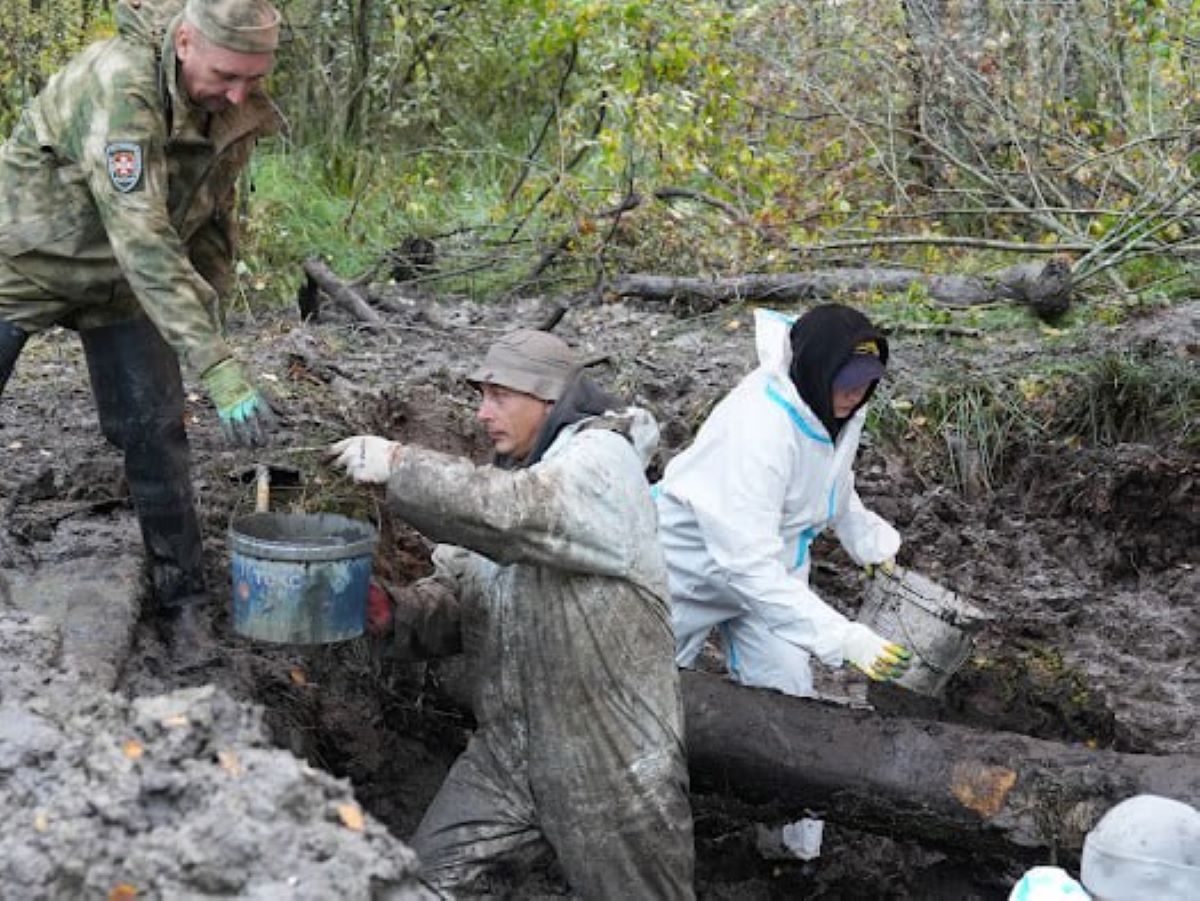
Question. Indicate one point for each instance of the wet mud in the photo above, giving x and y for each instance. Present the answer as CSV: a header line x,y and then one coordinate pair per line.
x,y
1084,556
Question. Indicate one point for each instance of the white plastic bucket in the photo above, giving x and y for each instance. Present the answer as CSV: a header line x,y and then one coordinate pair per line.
x,y
931,621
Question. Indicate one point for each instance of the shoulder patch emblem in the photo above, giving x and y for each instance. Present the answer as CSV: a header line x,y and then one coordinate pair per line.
x,y
124,165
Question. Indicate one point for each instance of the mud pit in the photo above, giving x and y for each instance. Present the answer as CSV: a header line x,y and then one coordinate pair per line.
x,y
1086,557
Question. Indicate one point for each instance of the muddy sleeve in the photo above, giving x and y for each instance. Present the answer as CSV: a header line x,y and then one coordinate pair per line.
x,y
122,154
575,511
428,620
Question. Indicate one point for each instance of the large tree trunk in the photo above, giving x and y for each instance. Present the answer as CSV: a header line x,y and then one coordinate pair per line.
x,y
938,782
1046,288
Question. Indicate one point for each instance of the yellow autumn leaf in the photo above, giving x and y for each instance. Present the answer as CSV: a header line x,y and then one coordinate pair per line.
x,y
41,822
176,722
133,749
298,676
122,892
229,763
351,816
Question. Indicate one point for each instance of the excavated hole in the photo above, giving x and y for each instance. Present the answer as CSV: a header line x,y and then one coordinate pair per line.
x,y
390,729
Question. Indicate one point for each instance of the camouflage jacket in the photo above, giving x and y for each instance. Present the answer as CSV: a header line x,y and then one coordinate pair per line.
x,y
116,192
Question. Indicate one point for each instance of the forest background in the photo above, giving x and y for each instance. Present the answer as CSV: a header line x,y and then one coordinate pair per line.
x,y
547,145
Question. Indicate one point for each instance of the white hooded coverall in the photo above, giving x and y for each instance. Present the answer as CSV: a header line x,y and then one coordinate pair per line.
x,y
738,511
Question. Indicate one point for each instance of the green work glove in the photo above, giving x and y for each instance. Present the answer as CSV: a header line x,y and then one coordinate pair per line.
x,y
880,659
246,417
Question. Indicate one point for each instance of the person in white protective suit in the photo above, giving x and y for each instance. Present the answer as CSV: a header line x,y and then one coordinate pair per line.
x,y
770,469
550,580
1146,847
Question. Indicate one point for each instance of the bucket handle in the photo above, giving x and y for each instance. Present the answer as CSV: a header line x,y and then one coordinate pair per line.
x,y
925,658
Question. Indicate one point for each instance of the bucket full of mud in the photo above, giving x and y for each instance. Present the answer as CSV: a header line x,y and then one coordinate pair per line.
x,y
300,578
933,622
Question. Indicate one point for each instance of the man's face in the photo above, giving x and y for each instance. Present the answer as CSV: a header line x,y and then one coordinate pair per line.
x,y
512,419
216,78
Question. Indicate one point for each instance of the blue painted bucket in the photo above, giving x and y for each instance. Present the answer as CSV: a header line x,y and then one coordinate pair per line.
x,y
300,578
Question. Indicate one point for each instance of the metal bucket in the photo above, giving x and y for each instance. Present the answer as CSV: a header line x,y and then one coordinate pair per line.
x,y
300,578
932,622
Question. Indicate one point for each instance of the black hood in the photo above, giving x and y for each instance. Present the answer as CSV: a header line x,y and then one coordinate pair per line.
x,y
823,340
581,399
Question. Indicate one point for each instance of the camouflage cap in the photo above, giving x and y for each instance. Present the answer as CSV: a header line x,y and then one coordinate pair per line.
x,y
247,26
528,361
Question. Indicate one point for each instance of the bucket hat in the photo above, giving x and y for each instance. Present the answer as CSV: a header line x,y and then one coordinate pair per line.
x,y
528,361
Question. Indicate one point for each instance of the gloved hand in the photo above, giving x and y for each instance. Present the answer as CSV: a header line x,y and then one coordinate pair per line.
x,y
366,458
885,566
880,659
246,417
381,612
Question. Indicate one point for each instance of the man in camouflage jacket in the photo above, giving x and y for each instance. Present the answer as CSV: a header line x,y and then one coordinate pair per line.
x,y
116,220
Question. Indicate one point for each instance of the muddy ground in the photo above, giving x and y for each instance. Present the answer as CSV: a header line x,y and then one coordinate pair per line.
x,y
1085,556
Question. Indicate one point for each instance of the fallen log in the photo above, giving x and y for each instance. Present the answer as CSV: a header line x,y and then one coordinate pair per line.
x,y
937,782
1046,288
341,293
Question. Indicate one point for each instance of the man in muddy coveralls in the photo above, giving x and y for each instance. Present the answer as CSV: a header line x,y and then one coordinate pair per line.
x,y
552,582
116,220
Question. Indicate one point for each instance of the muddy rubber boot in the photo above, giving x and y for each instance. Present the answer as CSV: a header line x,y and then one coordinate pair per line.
x,y
12,340
139,398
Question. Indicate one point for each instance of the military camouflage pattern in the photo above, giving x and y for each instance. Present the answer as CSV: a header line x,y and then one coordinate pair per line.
x,y
98,232
247,26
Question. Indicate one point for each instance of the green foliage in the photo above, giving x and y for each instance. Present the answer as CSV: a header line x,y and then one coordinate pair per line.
x,y
976,429
1134,396
521,126
308,204
38,38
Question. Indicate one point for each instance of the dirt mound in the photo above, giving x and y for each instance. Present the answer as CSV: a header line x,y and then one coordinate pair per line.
x,y
178,794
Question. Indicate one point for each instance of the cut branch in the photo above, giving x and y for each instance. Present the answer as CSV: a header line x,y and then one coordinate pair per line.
x,y
341,293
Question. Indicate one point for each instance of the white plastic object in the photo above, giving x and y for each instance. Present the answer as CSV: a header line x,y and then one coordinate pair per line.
x,y
803,838
1145,847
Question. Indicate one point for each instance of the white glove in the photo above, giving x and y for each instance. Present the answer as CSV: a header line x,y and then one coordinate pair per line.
x,y
366,458
880,659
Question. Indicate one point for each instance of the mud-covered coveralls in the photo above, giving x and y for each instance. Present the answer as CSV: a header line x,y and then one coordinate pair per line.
x,y
552,582
740,507
116,219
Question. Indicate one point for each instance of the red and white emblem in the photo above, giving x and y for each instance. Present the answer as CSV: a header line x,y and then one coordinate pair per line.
x,y
124,165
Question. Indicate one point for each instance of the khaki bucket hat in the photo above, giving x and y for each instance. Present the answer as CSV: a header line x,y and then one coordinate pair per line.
x,y
528,361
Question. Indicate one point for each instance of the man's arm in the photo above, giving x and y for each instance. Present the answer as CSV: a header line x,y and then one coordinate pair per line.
x,y
574,511
122,154
213,247
427,614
